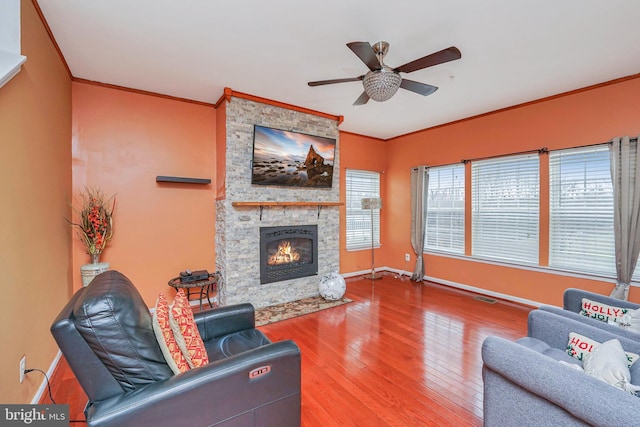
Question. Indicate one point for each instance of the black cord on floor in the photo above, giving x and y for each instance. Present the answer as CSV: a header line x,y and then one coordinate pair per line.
x,y
26,371
46,377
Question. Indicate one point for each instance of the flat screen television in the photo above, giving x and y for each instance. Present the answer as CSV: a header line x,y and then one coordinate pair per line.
x,y
285,158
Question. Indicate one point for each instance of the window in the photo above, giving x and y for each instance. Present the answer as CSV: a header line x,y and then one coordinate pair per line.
x,y
581,210
505,208
361,184
444,230
10,58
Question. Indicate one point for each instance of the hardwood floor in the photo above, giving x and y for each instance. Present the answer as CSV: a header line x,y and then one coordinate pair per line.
x,y
401,354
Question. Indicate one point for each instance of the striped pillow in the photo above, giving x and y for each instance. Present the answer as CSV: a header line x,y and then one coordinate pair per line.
x,y
186,331
164,335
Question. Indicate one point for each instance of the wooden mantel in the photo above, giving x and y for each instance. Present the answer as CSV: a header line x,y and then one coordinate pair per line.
x,y
261,205
271,203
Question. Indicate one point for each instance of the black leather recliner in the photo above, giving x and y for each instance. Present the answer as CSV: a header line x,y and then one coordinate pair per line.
x,y
105,333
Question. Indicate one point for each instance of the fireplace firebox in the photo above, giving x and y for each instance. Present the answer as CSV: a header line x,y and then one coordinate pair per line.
x,y
288,252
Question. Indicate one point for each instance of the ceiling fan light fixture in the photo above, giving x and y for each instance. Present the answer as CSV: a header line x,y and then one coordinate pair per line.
x,y
382,84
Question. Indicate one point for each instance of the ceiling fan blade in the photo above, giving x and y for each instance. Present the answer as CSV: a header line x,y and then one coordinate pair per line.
x,y
362,99
417,87
365,52
329,82
449,54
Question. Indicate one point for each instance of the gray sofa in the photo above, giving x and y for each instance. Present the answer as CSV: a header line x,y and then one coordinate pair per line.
x,y
572,304
526,385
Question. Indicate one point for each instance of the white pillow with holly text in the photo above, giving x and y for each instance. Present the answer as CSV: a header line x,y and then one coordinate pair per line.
x,y
600,311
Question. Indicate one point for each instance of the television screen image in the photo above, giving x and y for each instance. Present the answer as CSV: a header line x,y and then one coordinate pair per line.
x,y
287,158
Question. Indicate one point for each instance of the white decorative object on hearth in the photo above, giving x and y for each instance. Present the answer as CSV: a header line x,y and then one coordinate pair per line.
x,y
332,287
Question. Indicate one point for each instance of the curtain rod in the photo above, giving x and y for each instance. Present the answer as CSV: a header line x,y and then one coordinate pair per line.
x,y
632,139
539,151
545,150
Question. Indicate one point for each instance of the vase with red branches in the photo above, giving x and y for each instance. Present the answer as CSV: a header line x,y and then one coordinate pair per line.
x,y
95,221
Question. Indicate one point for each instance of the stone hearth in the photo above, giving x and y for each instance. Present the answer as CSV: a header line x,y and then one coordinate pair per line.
x,y
238,227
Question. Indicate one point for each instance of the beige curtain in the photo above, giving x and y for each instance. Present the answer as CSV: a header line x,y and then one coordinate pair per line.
x,y
626,210
419,187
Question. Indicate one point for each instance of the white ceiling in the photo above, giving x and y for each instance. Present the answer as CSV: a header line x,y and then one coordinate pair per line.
x,y
512,51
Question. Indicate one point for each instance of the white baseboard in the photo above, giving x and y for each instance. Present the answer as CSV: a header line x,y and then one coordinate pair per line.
x,y
43,386
474,289
402,273
357,273
377,269
482,291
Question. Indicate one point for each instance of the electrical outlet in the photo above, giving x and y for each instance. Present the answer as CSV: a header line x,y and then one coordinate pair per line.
x,y
407,257
23,366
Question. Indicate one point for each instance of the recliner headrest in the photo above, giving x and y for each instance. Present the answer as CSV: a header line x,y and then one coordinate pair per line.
x,y
113,319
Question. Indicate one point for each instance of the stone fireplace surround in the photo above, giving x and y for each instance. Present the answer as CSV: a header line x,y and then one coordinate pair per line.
x,y
238,227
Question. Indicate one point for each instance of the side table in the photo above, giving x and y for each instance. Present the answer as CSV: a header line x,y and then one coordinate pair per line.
x,y
198,287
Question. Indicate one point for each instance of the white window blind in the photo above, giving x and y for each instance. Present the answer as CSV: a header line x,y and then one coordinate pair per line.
x,y
581,210
505,208
444,230
359,185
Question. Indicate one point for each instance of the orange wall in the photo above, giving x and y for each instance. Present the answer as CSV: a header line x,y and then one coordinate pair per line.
x,y
121,142
364,153
588,117
35,183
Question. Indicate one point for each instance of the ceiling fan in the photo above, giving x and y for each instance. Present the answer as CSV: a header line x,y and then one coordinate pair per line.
x,y
381,81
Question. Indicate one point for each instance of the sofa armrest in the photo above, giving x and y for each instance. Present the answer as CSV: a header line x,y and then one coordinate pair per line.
x,y
225,320
572,300
588,399
212,393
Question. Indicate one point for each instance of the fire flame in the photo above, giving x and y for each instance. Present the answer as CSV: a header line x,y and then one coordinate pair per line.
x,y
284,255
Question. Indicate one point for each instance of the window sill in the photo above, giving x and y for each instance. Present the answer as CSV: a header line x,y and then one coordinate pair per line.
x,y
529,267
368,248
10,64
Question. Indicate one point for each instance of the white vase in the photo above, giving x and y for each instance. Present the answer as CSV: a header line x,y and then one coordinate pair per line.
x,y
89,271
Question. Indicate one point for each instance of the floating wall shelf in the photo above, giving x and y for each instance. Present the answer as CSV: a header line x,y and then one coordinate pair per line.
x,y
182,180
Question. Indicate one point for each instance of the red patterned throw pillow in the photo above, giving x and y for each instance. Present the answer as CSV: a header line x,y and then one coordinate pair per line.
x,y
164,334
186,331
